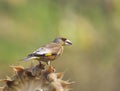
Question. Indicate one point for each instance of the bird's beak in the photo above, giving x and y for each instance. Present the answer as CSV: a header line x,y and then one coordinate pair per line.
x,y
68,42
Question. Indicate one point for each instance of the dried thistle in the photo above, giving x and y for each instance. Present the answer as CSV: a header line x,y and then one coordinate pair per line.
x,y
35,78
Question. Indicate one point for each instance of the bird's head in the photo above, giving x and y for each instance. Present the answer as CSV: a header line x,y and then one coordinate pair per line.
x,y
62,41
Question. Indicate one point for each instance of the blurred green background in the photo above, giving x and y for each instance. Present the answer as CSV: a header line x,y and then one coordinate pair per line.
x,y
93,61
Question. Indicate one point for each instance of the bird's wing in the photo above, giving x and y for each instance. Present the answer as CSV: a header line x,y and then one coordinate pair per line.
x,y
47,50
37,53
42,51
54,48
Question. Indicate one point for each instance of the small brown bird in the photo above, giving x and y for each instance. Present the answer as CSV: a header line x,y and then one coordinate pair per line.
x,y
49,52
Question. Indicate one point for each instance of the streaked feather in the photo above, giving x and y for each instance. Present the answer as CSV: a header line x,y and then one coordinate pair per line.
x,y
29,58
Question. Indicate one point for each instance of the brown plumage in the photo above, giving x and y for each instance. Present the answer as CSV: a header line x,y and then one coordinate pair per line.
x,y
50,51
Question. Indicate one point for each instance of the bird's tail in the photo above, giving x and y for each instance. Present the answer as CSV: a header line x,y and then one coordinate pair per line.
x,y
28,58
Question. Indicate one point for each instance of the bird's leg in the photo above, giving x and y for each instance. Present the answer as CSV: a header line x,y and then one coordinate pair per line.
x,y
51,69
49,64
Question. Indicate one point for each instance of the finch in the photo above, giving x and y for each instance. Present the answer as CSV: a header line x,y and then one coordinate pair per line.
x,y
49,52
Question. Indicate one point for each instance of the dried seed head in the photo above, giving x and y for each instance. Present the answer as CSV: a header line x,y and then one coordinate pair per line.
x,y
60,75
1,88
35,79
17,68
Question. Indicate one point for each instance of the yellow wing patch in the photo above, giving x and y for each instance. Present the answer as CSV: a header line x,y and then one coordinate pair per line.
x,y
48,54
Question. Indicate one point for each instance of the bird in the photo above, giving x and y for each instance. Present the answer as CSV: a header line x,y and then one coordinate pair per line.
x,y
50,51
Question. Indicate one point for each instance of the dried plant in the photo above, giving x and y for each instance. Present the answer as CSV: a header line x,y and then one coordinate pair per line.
x,y
35,78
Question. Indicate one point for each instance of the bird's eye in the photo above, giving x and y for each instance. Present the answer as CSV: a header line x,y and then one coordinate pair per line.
x,y
64,39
